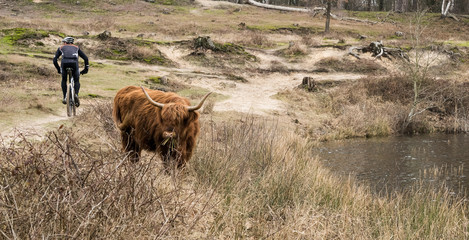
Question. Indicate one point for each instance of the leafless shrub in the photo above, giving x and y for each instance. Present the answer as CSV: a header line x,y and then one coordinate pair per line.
x,y
276,66
255,39
347,65
208,107
309,41
395,88
248,178
100,113
294,50
42,71
77,184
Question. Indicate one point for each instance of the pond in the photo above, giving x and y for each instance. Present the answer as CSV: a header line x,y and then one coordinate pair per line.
x,y
395,163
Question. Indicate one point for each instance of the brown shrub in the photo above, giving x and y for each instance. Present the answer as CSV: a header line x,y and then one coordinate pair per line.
x,y
309,41
276,66
347,65
133,50
255,39
395,88
295,50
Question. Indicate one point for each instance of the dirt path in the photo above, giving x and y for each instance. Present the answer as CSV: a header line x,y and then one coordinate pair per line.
x,y
32,128
255,96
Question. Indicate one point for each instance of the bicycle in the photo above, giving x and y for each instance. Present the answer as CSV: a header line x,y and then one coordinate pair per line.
x,y
70,96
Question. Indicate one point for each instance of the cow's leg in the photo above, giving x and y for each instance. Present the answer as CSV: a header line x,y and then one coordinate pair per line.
x,y
186,150
170,157
130,146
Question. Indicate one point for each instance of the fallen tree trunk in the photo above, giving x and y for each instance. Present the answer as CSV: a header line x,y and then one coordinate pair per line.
x,y
353,19
258,4
314,11
378,50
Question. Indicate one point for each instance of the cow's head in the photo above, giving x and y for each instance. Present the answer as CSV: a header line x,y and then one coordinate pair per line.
x,y
173,115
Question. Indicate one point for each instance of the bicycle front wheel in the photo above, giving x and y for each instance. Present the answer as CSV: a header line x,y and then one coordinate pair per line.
x,y
71,108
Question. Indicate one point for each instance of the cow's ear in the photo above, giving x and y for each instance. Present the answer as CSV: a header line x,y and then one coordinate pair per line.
x,y
192,116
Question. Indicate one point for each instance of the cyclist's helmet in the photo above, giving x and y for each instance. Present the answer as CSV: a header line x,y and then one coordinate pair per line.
x,y
68,40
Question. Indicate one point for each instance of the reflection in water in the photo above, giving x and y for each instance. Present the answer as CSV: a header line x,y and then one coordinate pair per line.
x,y
395,163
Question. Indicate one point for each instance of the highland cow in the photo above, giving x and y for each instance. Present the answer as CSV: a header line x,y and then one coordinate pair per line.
x,y
156,121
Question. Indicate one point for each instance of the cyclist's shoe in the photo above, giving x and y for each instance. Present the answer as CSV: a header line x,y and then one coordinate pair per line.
x,y
64,101
77,101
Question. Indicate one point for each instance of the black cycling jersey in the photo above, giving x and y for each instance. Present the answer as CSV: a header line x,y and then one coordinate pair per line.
x,y
70,54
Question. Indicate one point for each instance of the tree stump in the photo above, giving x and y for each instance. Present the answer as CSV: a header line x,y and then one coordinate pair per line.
x,y
104,35
204,43
377,48
309,84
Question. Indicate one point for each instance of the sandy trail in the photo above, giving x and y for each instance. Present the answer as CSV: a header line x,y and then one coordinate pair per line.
x,y
254,97
32,129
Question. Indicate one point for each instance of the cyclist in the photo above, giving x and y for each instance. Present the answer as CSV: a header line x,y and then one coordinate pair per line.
x,y
70,54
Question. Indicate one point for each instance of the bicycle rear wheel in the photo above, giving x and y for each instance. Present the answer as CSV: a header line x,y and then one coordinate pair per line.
x,y
70,97
70,104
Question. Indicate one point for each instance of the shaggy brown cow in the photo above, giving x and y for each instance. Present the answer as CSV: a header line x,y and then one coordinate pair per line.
x,y
156,121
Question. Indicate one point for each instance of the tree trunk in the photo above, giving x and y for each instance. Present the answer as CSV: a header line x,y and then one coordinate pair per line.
x,y
328,15
445,9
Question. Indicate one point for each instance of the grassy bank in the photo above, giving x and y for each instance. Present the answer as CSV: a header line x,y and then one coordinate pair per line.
x,y
248,179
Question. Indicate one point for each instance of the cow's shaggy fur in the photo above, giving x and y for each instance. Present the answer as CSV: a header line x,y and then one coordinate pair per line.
x,y
170,131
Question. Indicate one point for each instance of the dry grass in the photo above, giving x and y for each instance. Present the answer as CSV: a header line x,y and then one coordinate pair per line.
x,y
294,51
379,106
255,39
248,179
346,65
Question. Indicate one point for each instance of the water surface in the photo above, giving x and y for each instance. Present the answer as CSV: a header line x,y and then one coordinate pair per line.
x,y
394,163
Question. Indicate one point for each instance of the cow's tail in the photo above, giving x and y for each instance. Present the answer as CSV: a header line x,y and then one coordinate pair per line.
x,y
121,122
116,115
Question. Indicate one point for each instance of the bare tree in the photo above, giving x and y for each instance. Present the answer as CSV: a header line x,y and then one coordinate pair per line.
x,y
418,69
445,7
328,15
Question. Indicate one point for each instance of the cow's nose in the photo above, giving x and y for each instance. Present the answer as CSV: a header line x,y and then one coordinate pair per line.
x,y
167,134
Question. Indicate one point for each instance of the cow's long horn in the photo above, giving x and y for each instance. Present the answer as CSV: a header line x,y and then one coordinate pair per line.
x,y
193,108
160,105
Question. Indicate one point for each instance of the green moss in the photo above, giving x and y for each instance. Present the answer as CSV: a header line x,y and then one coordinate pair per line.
x,y
395,37
213,12
97,65
154,80
92,95
174,2
14,36
164,43
285,28
155,60
457,43
370,15
118,51
236,78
